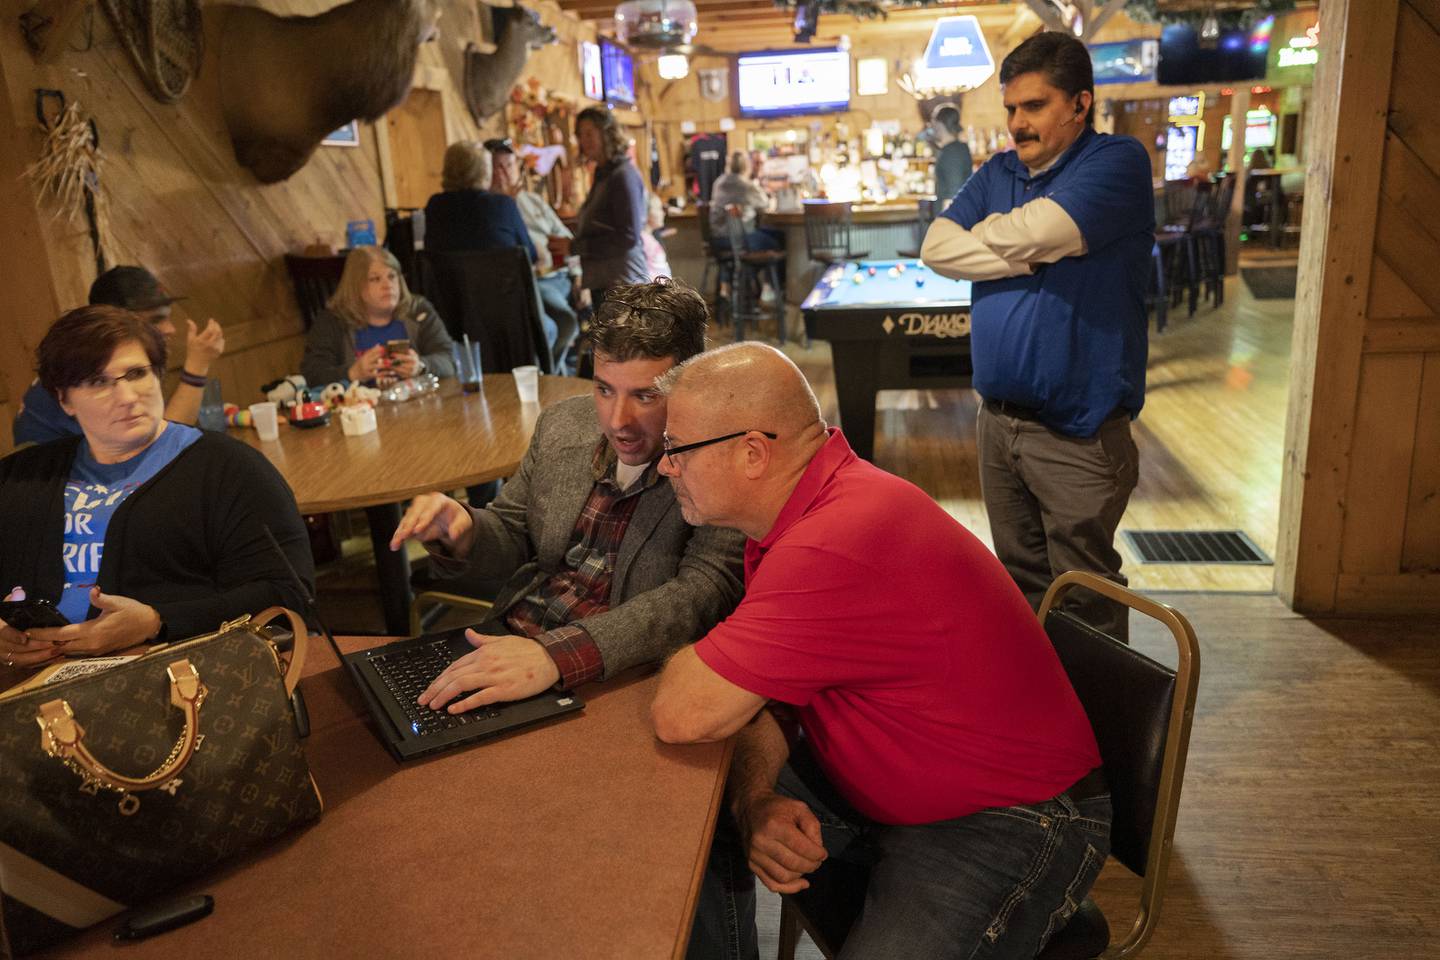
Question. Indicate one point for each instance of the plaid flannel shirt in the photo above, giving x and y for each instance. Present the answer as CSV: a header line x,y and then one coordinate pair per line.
x,y
582,588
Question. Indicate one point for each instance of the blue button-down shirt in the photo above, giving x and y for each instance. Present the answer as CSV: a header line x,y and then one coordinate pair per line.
x,y
1069,340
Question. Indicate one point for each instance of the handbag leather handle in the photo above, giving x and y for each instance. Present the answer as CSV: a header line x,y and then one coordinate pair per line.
x,y
296,666
62,737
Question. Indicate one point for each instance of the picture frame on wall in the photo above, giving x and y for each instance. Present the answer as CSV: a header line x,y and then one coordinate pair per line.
x,y
346,136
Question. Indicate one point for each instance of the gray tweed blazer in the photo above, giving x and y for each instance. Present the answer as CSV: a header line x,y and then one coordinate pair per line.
x,y
672,581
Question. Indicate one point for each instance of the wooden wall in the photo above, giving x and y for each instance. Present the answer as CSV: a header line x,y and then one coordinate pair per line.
x,y
183,207
1360,505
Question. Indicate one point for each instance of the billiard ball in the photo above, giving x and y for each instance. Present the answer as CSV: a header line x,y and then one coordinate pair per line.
x,y
901,267
893,272
859,278
919,281
870,270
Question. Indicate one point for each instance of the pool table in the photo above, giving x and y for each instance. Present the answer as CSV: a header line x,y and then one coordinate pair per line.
x,y
892,325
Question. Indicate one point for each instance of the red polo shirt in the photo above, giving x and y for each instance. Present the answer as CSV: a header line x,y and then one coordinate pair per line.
x,y
923,680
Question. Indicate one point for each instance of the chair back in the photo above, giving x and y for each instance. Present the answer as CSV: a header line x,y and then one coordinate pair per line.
x,y
707,239
1179,201
827,228
1141,712
489,296
314,280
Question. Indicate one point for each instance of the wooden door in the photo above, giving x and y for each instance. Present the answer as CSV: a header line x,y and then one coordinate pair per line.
x,y
417,146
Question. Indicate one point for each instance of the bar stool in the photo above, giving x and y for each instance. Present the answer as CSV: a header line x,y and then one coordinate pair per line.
x,y
827,232
747,268
713,261
925,215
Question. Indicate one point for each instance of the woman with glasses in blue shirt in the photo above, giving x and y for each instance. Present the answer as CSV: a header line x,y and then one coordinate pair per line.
x,y
139,529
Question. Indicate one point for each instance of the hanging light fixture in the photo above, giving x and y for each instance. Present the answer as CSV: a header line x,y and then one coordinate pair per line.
x,y
673,66
1210,29
656,24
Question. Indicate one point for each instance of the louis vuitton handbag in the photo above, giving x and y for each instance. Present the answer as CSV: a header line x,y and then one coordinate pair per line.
x,y
145,775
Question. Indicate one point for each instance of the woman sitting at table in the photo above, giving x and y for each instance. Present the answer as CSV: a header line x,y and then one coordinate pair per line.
x,y
372,308
138,530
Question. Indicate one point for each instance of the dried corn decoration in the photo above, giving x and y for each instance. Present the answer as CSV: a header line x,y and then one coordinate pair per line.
x,y
68,171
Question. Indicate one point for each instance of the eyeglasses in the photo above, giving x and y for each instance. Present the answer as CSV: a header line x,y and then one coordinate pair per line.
x,y
102,386
671,452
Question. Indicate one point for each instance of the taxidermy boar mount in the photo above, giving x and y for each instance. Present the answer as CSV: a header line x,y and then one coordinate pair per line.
x,y
285,82
489,76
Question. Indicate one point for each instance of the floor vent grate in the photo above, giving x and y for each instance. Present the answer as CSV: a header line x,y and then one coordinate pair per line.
x,y
1195,546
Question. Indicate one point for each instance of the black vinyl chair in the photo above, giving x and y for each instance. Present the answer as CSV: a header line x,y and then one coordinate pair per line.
x,y
489,296
827,232
1141,712
714,260
314,280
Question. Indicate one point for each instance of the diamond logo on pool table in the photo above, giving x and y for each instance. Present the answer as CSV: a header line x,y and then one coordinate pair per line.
x,y
888,324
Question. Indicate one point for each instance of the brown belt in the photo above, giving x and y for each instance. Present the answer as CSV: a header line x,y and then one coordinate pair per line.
x,y
1031,413
1091,785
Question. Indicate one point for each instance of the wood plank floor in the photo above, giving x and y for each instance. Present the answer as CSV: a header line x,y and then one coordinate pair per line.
x,y
1211,436
1306,826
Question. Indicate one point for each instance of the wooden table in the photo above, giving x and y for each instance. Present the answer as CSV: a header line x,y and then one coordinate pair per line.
x,y
586,837
438,442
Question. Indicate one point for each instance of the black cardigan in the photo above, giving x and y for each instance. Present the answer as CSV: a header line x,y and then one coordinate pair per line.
x,y
189,542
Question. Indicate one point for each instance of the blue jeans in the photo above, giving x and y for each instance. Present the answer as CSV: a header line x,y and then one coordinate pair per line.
x,y
995,884
557,316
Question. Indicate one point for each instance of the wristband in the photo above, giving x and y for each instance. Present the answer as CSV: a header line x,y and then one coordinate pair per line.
x,y
192,379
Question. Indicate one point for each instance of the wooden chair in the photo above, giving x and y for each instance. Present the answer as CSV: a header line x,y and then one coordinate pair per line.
x,y
827,232
1141,712
713,261
747,268
489,296
314,280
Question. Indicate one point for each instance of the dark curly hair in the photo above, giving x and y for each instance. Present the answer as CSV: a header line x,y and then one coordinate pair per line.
x,y
662,318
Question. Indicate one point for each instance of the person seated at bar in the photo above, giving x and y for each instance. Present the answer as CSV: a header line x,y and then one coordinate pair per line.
x,y
133,288
374,329
603,571
612,218
735,191
924,715
550,239
953,164
139,530
656,260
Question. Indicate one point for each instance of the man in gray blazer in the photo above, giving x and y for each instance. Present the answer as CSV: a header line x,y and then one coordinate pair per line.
x,y
604,573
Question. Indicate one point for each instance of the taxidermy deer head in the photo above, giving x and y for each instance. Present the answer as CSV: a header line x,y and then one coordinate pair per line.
x,y
285,82
489,77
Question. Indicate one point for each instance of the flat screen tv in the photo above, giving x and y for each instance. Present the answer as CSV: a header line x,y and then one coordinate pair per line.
x,y
618,73
779,83
591,77
1234,55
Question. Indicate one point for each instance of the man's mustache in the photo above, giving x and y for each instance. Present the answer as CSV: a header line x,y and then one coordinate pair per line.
x,y
1026,137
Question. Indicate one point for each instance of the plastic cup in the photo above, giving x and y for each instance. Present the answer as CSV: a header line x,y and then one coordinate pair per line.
x,y
527,383
266,419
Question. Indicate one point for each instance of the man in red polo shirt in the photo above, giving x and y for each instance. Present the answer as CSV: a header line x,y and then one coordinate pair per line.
x,y
926,721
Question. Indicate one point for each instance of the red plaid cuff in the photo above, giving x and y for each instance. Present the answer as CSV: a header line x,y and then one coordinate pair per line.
x,y
575,653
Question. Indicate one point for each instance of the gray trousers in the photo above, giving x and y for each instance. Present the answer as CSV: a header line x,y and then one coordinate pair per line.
x,y
1054,502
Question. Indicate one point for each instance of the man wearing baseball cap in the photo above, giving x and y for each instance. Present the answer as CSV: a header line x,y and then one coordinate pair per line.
x,y
134,288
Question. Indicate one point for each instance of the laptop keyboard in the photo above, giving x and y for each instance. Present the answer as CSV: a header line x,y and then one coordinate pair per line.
x,y
406,673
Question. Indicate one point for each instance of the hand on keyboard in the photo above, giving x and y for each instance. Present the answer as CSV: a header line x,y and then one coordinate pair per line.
x,y
500,669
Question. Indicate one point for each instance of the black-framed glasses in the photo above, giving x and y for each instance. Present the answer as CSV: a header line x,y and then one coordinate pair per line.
x,y
671,452
102,385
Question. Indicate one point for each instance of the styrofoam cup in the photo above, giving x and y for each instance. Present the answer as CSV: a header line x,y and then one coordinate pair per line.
x,y
527,383
266,419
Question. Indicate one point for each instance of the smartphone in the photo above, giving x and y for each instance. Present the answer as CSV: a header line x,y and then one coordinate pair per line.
x,y
397,347
28,614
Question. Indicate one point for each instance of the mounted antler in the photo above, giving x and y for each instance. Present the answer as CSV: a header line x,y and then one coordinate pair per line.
x,y
285,82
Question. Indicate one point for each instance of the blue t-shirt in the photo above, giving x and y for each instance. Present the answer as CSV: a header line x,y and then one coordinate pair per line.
x,y
368,336
92,495
1070,340
42,419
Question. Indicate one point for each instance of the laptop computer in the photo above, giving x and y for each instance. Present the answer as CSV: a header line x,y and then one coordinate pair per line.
x,y
391,677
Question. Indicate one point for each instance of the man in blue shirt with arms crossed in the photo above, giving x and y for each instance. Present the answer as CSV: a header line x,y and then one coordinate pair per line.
x,y
1056,236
